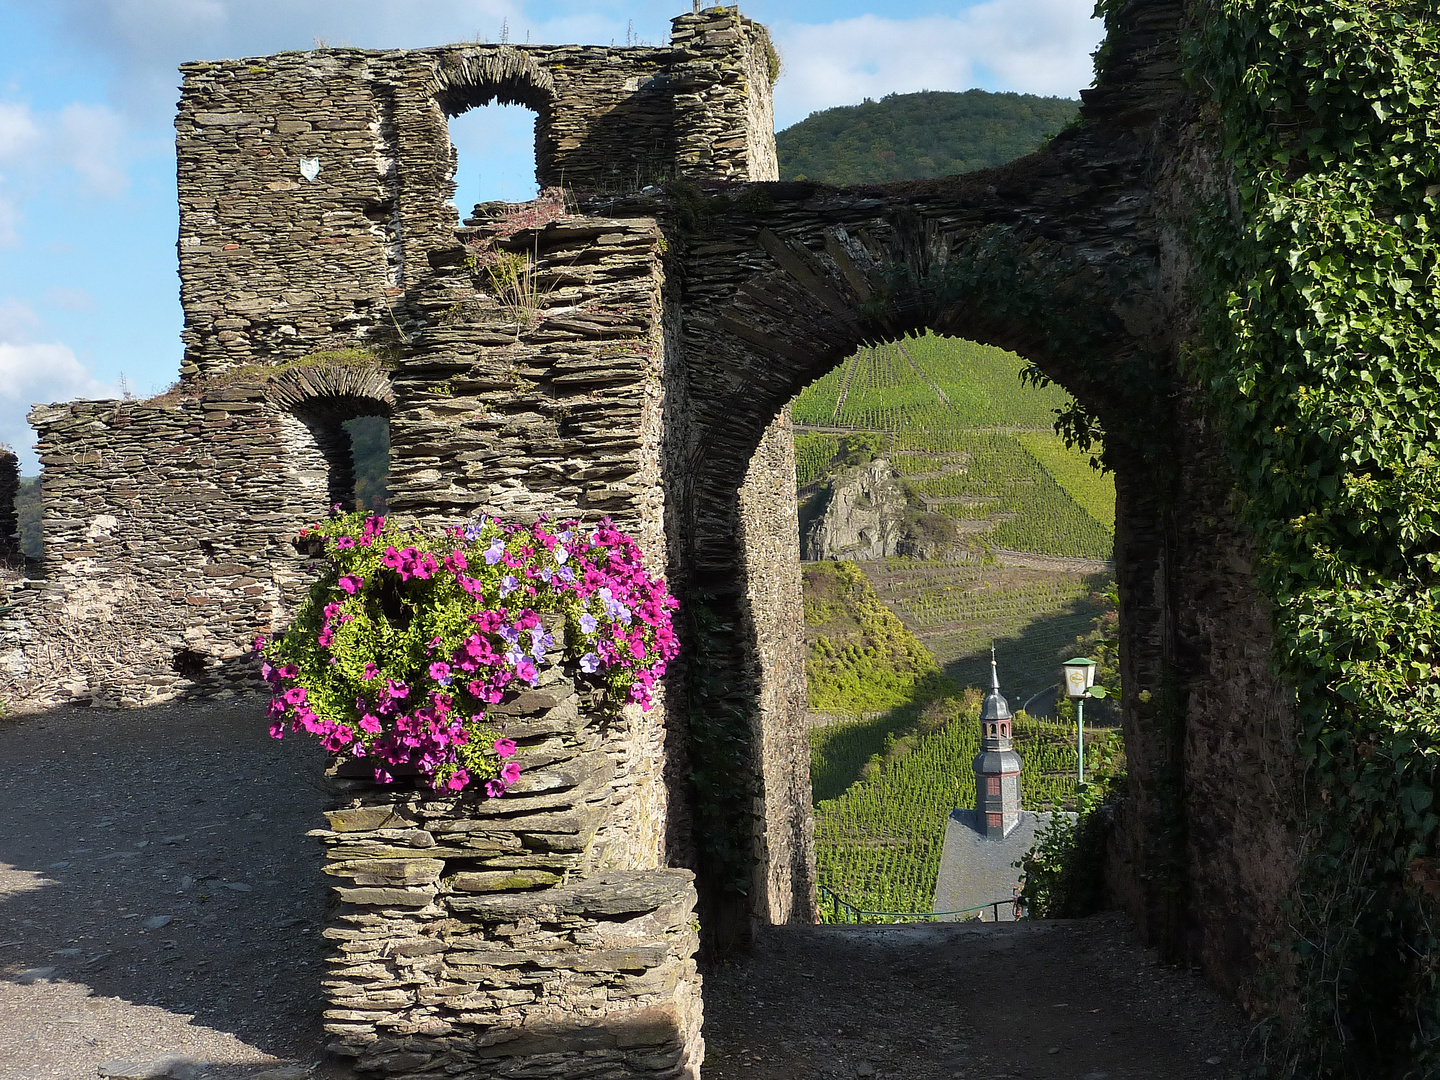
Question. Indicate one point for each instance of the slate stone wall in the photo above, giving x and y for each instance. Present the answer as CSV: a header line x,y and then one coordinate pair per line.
x,y
525,365
166,529
314,186
536,934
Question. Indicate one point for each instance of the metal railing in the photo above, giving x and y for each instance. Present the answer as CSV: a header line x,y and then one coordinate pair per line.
x,y
839,907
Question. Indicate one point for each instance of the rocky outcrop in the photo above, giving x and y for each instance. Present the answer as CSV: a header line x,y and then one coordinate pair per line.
x,y
864,513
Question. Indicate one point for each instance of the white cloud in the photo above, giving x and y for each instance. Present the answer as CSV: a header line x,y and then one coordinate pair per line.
x,y
1028,46
9,220
17,129
91,140
17,320
148,39
45,373
32,372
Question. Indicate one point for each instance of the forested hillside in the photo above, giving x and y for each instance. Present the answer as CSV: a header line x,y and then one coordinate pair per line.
x,y
917,136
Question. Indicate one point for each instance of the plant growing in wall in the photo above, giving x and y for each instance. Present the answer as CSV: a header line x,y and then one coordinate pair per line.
x,y
409,637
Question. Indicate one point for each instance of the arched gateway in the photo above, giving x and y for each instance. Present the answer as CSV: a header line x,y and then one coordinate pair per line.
x,y
661,312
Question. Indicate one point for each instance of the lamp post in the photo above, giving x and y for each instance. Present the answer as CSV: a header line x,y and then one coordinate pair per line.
x,y
1079,678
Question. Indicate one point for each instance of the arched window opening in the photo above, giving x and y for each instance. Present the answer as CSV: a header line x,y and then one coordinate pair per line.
x,y
940,514
338,454
494,148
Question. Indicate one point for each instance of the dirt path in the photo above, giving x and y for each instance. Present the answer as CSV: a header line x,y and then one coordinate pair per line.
x,y
1041,1000
153,868
160,913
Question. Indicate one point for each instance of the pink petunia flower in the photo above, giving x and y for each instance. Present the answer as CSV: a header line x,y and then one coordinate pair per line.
x,y
505,748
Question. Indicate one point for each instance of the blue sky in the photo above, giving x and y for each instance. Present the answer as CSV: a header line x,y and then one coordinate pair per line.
x,y
89,298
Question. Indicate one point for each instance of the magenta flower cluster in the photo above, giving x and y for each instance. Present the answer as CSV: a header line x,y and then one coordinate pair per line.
x,y
408,638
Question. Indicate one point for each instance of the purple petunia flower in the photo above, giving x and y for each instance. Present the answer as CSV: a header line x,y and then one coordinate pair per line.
x,y
589,663
494,551
508,584
588,623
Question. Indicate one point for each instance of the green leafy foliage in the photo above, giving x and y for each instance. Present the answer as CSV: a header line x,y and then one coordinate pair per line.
x,y
916,136
860,656
1064,873
1319,356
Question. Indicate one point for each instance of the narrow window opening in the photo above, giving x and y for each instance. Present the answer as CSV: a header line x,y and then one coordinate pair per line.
x,y
28,512
370,454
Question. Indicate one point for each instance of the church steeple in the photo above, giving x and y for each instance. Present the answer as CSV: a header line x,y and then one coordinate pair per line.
x,y
997,766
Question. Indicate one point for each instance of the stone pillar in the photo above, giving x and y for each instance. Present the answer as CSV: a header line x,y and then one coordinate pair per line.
x,y
504,937
774,623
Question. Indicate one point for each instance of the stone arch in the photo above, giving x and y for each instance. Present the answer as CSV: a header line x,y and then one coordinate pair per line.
x,y
315,403
795,278
473,77
476,75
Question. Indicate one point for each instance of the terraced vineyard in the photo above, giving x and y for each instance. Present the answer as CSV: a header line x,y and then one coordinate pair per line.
x,y
957,611
878,843
925,384
1034,525
1071,469
971,441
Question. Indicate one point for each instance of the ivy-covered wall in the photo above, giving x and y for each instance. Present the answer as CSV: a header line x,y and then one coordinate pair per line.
x,y
1320,356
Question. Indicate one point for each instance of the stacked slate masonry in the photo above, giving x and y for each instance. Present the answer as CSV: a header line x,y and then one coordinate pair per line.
x,y
626,345
324,277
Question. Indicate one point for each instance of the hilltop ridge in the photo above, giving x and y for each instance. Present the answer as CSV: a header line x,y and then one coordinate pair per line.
x,y
919,136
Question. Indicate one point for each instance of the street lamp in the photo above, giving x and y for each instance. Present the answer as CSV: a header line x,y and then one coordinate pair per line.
x,y
1079,679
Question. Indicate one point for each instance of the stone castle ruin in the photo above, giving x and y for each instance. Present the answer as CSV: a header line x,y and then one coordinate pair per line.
x,y
627,345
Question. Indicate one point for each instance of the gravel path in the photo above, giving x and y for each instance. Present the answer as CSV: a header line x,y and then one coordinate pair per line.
x,y
1062,1000
160,908
154,869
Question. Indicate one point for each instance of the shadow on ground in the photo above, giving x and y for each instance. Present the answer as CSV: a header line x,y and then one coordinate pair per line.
x,y
1061,1000
159,856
